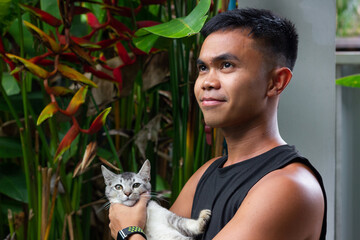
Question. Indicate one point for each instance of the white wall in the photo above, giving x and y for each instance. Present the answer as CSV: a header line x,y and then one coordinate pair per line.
x,y
307,107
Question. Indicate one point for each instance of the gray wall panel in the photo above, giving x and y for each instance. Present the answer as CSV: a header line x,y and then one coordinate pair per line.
x,y
307,107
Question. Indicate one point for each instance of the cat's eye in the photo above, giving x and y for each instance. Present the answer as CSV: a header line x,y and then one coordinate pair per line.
x,y
118,187
136,185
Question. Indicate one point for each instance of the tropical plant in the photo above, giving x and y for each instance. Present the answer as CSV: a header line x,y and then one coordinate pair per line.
x,y
67,64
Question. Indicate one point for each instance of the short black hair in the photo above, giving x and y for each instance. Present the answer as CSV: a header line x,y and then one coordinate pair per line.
x,y
276,33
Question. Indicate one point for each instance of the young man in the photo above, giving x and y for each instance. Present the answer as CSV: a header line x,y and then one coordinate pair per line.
x,y
263,188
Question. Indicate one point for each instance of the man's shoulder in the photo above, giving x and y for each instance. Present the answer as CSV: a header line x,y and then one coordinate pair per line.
x,y
290,195
293,178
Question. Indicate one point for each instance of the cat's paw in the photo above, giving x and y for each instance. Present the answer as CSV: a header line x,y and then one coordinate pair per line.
x,y
204,218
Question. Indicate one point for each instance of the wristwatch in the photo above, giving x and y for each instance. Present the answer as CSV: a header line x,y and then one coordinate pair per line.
x,y
126,232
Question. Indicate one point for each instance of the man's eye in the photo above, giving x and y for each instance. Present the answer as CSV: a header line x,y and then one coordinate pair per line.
x,y
118,187
201,68
227,65
136,185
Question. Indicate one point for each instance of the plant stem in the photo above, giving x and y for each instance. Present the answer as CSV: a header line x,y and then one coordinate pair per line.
x,y
111,143
27,170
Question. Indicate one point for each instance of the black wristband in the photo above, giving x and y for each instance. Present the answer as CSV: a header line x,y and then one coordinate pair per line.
x,y
126,232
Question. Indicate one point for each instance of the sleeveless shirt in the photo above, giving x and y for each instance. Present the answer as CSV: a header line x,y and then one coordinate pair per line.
x,y
223,189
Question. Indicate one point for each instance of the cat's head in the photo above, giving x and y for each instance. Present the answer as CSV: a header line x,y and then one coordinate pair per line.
x,y
127,187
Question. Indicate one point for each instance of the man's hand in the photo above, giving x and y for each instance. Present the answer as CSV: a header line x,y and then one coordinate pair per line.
x,y
122,216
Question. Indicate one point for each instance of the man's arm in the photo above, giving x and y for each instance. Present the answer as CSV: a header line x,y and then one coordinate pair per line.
x,y
183,204
287,204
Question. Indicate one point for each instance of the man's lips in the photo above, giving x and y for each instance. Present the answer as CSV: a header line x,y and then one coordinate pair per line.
x,y
210,101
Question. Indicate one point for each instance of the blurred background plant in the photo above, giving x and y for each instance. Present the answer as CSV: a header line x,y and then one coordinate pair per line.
x,y
348,36
91,82
347,18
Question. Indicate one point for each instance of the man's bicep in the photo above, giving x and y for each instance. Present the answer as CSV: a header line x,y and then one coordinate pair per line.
x,y
275,211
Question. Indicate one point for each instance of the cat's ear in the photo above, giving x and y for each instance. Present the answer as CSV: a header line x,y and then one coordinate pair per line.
x,y
145,170
108,175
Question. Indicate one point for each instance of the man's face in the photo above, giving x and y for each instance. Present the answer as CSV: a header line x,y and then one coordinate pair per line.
x,y
233,76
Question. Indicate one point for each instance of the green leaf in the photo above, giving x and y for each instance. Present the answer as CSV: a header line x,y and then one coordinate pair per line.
x,y
10,148
104,153
13,183
4,8
28,37
176,28
10,85
349,81
145,43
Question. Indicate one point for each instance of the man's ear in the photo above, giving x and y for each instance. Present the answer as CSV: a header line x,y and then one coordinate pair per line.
x,y
280,78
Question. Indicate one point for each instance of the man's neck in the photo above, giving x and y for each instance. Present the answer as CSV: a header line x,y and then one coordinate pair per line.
x,y
245,143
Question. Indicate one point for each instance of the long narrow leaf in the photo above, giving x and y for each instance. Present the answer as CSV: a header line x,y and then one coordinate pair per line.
x,y
13,183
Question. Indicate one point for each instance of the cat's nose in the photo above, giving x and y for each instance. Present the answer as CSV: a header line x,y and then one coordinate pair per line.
x,y
127,193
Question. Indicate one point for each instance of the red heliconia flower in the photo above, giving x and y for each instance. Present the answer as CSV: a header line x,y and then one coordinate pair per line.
x,y
44,16
80,10
31,67
148,2
124,55
107,43
97,73
12,67
119,27
76,101
2,50
93,21
118,77
40,60
98,123
67,140
70,57
141,24
122,11
47,112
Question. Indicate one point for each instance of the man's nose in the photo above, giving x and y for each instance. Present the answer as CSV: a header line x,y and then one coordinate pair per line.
x,y
211,81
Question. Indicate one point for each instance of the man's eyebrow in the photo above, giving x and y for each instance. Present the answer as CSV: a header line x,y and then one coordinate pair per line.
x,y
221,57
199,62
225,56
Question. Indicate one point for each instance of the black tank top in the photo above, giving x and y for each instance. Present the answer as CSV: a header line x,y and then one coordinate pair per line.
x,y
223,189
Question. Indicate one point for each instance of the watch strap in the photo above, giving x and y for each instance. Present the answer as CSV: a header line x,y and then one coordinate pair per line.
x,y
126,232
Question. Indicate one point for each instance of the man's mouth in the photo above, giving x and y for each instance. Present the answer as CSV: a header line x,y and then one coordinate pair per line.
x,y
210,101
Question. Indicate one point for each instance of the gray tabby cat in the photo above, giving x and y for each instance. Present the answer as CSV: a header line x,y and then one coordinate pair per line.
x,y
161,224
